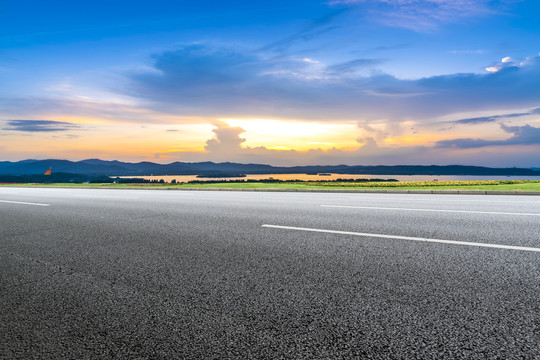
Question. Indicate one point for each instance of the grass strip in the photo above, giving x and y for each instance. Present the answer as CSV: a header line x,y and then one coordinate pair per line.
x,y
501,185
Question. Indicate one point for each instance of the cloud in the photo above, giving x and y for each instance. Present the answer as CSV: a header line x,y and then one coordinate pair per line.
x,y
113,112
195,72
314,29
215,82
522,135
367,142
227,140
200,79
226,145
508,62
196,65
419,15
475,121
504,63
478,51
390,47
352,66
39,125
490,119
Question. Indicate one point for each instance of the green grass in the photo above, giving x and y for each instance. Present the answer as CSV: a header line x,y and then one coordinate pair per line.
x,y
522,186
173,186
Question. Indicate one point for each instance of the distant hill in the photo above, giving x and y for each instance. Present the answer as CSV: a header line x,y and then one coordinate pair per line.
x,y
98,167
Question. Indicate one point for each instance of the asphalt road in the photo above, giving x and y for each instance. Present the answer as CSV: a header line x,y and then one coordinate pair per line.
x,y
89,274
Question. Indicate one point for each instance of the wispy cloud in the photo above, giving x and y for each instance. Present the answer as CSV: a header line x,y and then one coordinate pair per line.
x,y
39,125
315,29
93,111
521,135
475,121
352,66
493,118
478,51
419,15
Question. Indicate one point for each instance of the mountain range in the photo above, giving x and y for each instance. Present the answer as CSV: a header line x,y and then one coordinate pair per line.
x,y
119,168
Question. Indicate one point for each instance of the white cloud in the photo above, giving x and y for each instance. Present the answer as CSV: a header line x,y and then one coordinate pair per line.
x,y
311,61
478,51
505,62
227,140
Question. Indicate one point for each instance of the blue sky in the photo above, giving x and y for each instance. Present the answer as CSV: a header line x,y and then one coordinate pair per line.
x,y
281,82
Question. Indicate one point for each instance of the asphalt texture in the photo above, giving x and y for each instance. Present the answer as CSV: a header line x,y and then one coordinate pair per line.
x,y
156,274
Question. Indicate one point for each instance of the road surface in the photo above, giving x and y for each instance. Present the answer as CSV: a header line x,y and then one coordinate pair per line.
x,y
89,273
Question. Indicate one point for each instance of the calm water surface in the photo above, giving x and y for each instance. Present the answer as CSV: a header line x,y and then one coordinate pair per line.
x,y
305,177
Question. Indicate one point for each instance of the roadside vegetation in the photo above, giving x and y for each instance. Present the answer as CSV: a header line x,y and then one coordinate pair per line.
x,y
430,184
502,185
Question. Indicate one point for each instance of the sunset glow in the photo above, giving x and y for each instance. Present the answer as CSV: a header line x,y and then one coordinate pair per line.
x,y
297,135
352,82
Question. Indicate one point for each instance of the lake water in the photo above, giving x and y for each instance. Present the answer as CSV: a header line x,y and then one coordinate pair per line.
x,y
305,177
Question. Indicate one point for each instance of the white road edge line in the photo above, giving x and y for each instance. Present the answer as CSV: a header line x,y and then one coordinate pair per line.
x,y
431,210
23,203
449,200
452,242
106,197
